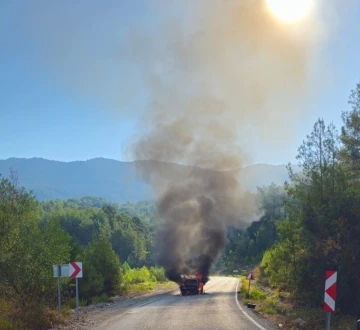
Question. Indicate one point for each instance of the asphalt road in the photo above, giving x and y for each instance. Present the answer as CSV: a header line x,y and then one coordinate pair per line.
x,y
217,309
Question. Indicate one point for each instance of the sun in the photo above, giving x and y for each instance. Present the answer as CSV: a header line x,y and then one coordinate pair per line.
x,y
290,11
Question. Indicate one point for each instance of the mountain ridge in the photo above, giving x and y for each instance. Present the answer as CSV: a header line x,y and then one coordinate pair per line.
x,y
114,180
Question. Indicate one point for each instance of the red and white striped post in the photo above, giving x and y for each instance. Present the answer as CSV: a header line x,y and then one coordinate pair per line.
x,y
330,295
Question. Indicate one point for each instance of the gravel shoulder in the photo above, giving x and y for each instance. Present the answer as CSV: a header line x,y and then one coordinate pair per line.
x,y
92,316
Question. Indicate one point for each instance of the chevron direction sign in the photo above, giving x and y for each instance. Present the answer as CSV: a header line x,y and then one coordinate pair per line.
x,y
330,291
75,269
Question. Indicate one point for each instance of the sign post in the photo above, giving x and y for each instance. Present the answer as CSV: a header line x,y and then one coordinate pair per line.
x,y
328,321
250,277
60,271
330,295
59,287
77,298
75,271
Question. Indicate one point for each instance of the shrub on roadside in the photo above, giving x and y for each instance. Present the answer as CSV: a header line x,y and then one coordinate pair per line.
x,y
255,293
141,279
103,298
102,269
136,275
269,306
158,274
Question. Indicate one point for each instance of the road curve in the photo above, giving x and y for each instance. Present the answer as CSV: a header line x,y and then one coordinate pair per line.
x,y
217,309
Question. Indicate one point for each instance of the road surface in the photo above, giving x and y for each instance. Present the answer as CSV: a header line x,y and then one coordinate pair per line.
x,y
217,309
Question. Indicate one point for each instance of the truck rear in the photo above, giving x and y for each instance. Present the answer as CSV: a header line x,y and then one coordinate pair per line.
x,y
189,286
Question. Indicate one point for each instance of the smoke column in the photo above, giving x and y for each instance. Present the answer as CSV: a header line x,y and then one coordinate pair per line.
x,y
228,71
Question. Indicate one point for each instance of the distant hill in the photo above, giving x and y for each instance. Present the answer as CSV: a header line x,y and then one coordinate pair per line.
x,y
110,179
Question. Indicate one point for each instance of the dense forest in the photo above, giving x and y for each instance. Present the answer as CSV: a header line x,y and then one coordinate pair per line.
x,y
115,246
312,224
309,225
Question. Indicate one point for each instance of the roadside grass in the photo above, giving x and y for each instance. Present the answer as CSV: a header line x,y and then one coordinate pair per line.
x,y
269,307
6,324
279,307
144,287
166,283
103,298
30,316
267,302
8,317
71,303
315,319
137,287
254,294
142,279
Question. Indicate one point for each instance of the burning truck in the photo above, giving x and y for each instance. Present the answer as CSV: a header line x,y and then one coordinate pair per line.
x,y
192,285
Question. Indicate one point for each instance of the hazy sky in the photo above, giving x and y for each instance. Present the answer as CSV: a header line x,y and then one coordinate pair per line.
x,y
68,93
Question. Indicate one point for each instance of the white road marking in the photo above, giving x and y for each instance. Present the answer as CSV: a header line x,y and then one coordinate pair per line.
x,y
243,311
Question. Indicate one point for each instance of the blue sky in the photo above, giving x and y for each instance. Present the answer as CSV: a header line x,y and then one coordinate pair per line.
x,y
53,55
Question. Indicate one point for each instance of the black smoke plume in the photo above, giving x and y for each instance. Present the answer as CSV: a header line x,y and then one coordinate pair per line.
x,y
227,73
197,207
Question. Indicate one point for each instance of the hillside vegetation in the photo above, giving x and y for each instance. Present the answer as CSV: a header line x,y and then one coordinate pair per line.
x,y
313,225
113,180
115,248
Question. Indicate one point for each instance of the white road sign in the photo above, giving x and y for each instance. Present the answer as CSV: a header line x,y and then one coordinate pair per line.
x,y
64,270
75,269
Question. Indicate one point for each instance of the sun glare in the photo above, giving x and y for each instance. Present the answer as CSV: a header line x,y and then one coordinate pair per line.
x,y
290,10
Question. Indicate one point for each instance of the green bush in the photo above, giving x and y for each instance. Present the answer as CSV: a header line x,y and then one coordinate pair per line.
x,y
9,325
103,298
257,294
136,275
102,269
71,303
125,267
141,279
158,273
270,306
268,309
141,287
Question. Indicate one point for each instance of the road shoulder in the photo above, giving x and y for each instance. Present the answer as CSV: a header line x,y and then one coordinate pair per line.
x,y
259,320
90,317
